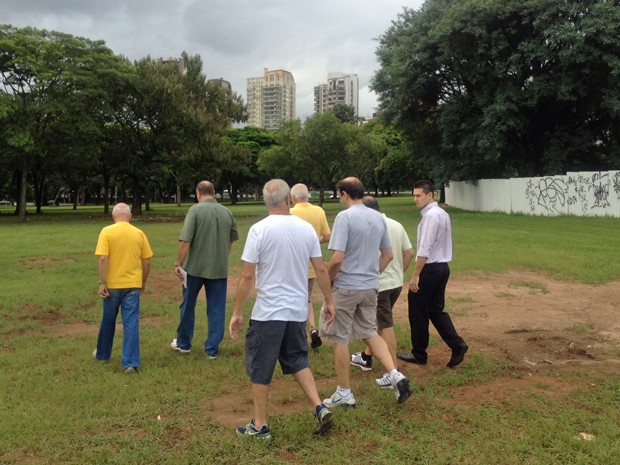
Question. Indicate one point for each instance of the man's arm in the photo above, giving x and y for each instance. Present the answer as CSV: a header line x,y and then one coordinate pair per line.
x,y
102,270
324,238
385,258
182,252
244,286
407,258
325,285
146,270
415,279
333,267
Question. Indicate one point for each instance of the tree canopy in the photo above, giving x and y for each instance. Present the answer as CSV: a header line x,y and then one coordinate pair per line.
x,y
490,89
73,114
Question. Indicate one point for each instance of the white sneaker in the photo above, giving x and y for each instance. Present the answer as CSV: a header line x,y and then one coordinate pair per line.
x,y
400,383
174,346
358,361
337,400
384,382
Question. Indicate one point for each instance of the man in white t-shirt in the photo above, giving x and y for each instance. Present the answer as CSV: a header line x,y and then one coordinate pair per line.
x,y
276,255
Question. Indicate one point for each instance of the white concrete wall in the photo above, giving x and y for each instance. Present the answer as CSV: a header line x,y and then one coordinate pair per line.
x,y
595,193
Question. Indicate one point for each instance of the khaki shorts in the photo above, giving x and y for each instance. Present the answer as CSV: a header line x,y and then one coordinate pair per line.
x,y
356,314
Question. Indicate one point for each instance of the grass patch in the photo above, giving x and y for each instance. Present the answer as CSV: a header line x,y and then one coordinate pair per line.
x,y
532,285
57,405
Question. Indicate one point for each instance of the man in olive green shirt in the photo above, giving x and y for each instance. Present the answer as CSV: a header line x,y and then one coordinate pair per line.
x,y
204,244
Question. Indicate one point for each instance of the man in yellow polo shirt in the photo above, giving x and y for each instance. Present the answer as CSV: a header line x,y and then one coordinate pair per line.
x,y
124,265
314,215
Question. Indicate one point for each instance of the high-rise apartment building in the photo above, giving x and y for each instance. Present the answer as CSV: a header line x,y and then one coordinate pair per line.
x,y
340,88
271,99
223,84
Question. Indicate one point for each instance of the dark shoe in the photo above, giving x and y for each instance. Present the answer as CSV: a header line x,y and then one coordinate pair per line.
x,y
324,419
250,430
410,358
315,339
458,355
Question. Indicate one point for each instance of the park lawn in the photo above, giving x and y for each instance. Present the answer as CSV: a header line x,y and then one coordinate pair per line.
x,y
58,406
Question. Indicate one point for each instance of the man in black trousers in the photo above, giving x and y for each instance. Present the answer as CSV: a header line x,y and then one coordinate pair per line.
x,y
427,287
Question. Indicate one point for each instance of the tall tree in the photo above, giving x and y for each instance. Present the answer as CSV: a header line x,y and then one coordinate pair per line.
x,y
319,153
48,82
490,88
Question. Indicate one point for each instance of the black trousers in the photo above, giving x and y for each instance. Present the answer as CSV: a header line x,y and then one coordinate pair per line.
x,y
428,305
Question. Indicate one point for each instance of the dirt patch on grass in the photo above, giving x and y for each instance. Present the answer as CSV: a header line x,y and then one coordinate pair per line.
x,y
541,326
544,328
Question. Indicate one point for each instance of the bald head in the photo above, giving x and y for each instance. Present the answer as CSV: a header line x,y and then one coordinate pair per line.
x,y
299,193
121,212
205,188
370,202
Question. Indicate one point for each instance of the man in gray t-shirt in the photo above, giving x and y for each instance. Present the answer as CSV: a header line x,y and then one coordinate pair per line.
x,y
357,235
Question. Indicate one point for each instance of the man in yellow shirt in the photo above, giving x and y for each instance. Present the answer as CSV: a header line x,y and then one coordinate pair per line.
x,y
314,215
124,265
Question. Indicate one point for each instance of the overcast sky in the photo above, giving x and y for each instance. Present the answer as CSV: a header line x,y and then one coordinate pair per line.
x,y
236,39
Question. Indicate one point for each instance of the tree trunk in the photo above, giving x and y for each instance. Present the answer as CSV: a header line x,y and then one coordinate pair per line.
x,y
21,202
147,198
136,206
178,181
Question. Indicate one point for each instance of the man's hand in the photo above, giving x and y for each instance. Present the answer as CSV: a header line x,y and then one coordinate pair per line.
x,y
177,271
236,323
103,291
329,313
414,283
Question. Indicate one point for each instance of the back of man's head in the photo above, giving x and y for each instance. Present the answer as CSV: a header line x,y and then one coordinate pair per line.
x,y
275,193
370,202
205,188
299,193
121,212
352,186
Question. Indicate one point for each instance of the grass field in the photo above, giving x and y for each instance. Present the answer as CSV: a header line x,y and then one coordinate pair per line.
x,y
57,405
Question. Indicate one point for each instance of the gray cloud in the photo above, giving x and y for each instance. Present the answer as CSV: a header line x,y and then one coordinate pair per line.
x,y
235,38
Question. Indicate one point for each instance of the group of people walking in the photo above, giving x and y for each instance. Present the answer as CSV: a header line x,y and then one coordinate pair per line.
x,y
360,285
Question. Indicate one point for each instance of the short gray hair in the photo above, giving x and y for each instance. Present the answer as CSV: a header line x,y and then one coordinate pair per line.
x,y
121,209
300,192
275,192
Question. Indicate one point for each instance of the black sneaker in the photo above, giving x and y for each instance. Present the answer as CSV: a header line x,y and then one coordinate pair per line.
x,y
324,418
315,339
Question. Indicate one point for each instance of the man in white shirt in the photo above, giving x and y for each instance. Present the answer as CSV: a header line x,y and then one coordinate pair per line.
x,y
427,289
276,255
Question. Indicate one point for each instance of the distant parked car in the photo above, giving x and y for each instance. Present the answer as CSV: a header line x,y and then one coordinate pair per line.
x,y
5,202
51,203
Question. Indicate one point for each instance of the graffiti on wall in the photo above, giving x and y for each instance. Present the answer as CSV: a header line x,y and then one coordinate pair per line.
x,y
572,193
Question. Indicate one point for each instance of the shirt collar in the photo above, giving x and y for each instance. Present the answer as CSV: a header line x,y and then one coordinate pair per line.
x,y
425,210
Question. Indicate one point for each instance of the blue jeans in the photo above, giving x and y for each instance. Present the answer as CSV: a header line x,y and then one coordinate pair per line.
x,y
128,300
215,290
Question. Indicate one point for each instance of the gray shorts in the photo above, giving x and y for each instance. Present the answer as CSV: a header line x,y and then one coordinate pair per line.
x,y
385,303
356,314
268,342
